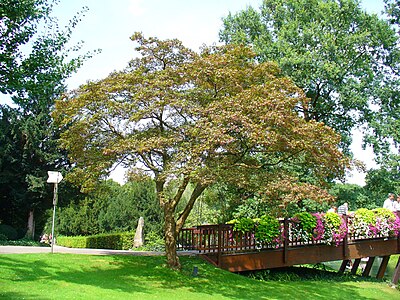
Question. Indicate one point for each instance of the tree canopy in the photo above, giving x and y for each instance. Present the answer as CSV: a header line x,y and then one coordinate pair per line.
x,y
196,119
33,69
345,60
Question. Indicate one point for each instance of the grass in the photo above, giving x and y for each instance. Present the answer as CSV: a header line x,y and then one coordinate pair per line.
x,y
70,276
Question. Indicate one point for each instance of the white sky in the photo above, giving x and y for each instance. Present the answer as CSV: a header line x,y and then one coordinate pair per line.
x,y
109,24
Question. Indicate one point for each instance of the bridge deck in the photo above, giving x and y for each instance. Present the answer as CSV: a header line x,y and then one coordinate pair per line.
x,y
237,252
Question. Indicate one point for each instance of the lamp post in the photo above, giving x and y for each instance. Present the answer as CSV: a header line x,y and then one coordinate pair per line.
x,y
54,177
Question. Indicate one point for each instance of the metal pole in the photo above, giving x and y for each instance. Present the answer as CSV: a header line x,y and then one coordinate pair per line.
x,y
55,196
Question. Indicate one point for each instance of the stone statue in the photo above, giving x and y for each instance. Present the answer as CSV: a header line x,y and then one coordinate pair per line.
x,y
139,238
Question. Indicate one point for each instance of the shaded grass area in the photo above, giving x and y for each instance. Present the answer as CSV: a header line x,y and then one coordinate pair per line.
x,y
324,272
70,276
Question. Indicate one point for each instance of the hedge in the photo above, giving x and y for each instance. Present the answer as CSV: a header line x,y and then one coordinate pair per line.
x,y
116,241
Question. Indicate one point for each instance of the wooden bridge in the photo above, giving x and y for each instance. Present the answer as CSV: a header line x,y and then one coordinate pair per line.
x,y
237,252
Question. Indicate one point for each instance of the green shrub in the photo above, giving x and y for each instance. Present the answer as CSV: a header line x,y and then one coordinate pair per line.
x,y
153,242
104,241
244,225
22,242
364,215
332,220
72,241
268,229
306,221
116,241
127,240
384,213
9,231
3,237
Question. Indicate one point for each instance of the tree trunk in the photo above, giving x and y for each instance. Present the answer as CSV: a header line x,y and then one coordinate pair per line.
x,y
31,225
170,237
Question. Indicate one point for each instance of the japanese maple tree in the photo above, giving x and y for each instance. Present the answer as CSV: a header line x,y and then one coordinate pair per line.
x,y
194,119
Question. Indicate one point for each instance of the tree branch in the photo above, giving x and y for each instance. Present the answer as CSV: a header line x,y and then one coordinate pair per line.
x,y
198,190
180,192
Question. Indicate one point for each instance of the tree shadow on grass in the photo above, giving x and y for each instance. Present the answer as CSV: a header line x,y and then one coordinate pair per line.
x,y
63,271
133,275
241,287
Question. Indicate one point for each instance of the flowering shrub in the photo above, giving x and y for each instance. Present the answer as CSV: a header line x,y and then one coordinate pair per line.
x,y
306,221
387,222
330,228
335,228
319,230
302,227
374,223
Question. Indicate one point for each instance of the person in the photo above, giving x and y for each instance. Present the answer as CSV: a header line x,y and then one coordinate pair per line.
x,y
389,202
396,205
343,209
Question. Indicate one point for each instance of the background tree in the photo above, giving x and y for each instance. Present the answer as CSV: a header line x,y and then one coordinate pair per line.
x,y
385,133
192,120
33,69
392,9
20,19
344,59
110,208
354,195
380,182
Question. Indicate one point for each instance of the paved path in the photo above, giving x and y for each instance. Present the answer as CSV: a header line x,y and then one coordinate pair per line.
x,y
59,249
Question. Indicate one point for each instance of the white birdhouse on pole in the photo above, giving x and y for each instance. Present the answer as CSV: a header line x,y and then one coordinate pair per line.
x,y
54,177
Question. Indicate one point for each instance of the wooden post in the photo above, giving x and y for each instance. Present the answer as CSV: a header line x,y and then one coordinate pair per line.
x,y
355,266
382,267
343,266
219,244
368,266
201,240
345,240
210,232
396,275
192,240
398,237
285,240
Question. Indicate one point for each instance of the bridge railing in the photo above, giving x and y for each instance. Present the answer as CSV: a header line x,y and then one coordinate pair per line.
x,y
223,238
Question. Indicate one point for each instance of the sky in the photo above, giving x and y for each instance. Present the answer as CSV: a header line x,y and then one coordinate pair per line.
x,y
109,24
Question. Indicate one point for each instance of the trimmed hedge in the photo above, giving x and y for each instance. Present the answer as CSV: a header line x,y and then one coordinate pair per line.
x,y
72,241
115,241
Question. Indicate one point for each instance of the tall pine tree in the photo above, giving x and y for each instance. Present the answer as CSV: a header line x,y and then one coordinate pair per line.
x,y
32,79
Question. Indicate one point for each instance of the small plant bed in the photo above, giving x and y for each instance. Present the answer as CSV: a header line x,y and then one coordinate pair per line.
x,y
23,242
327,228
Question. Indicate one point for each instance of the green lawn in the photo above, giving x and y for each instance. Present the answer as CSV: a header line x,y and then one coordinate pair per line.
x,y
68,276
